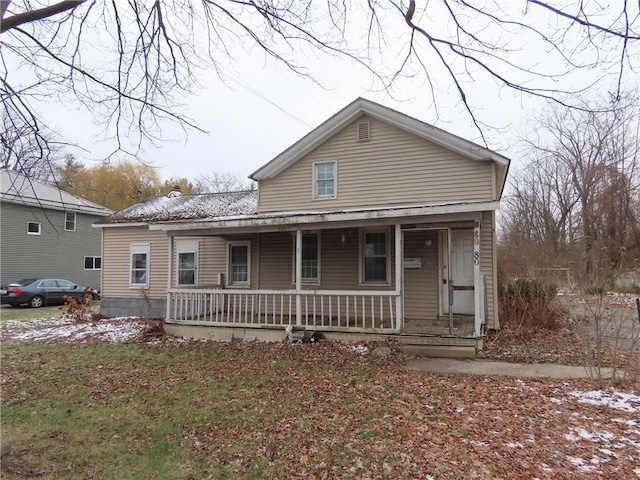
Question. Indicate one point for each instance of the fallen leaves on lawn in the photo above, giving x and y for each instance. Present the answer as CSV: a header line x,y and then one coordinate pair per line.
x,y
331,410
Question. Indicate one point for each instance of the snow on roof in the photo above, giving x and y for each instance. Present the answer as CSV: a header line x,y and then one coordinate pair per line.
x,y
20,189
189,207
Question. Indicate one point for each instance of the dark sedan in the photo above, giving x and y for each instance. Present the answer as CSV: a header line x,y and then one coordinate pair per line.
x,y
39,292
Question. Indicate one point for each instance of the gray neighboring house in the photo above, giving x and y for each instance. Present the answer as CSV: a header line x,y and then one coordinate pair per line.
x,y
47,232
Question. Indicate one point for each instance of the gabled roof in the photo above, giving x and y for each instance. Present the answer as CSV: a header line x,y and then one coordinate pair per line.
x,y
362,106
204,206
22,190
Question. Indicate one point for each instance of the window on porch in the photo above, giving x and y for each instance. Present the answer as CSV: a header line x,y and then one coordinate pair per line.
x,y
310,258
187,263
239,264
375,256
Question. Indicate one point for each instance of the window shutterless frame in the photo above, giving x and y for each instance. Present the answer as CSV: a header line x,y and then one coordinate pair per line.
x,y
375,258
33,228
70,221
239,264
187,263
92,263
325,180
140,254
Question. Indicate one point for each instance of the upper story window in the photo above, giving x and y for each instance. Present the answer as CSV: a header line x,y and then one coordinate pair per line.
x,y
239,264
140,254
70,221
33,228
325,180
375,256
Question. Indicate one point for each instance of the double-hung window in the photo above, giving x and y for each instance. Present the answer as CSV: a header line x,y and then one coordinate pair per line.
x,y
239,261
375,256
70,221
187,263
325,180
140,255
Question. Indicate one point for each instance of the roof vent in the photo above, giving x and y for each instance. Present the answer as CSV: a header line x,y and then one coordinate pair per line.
x,y
175,192
363,132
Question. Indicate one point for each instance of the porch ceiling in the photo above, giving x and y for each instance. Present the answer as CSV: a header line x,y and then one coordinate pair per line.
x,y
292,220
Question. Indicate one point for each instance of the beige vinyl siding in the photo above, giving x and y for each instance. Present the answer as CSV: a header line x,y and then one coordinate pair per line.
x,y
116,260
212,259
487,264
421,295
393,168
276,261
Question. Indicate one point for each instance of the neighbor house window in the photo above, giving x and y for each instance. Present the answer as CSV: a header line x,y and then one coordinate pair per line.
x,y
187,263
33,228
70,221
140,254
375,255
239,261
324,179
310,258
92,263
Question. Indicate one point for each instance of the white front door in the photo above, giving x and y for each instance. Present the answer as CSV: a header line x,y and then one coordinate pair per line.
x,y
462,273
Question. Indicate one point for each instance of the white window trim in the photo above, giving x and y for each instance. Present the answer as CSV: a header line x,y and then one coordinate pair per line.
x,y
314,181
187,247
306,281
34,233
139,248
387,233
94,262
74,221
228,280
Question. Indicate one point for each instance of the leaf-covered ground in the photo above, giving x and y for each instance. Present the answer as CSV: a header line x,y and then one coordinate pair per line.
x,y
86,401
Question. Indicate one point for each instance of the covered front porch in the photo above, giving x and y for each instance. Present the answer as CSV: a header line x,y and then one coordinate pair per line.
x,y
411,276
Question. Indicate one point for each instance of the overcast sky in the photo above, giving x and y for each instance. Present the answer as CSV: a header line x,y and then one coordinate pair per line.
x,y
255,108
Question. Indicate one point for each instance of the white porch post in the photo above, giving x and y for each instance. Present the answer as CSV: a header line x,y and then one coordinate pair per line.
x,y
399,269
169,277
477,280
298,276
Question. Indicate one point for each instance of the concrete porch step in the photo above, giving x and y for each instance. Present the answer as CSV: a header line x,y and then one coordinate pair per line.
x,y
440,351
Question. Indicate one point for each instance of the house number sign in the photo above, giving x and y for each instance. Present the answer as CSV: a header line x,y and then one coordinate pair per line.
x,y
476,257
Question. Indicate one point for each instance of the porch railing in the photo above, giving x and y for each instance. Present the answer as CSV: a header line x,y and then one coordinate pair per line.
x,y
319,309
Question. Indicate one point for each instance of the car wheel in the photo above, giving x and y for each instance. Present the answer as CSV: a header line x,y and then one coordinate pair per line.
x,y
36,302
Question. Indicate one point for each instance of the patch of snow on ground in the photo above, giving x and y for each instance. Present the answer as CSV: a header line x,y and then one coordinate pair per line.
x,y
64,330
360,349
609,398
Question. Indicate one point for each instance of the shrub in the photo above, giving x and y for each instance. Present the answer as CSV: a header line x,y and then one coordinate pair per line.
x,y
529,304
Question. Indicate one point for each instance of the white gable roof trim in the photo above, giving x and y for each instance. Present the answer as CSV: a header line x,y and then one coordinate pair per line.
x,y
362,106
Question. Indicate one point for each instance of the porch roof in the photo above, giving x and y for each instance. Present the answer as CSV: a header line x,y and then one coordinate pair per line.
x,y
186,208
292,219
